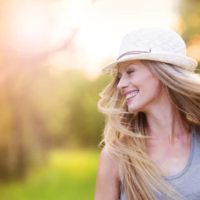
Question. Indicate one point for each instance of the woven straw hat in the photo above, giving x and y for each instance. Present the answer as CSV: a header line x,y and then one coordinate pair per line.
x,y
156,44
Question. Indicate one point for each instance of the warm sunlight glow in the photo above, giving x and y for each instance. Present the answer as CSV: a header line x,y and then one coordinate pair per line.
x,y
194,48
107,21
28,26
37,28
68,15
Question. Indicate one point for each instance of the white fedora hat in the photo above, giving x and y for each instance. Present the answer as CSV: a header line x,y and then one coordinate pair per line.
x,y
155,44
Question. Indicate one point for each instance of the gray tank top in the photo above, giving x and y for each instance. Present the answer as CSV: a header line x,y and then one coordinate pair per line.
x,y
186,182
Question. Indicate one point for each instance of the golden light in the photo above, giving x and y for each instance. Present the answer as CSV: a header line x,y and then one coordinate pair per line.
x,y
108,21
193,47
34,29
27,27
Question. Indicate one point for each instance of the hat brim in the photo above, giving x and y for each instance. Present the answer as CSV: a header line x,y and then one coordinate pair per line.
x,y
185,62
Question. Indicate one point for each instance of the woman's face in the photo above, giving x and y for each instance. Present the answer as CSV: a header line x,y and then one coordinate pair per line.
x,y
139,86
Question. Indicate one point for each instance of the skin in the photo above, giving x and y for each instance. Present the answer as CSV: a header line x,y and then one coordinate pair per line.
x,y
170,143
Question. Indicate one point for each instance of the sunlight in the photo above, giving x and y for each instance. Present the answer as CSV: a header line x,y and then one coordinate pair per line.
x,y
40,27
108,21
193,48
37,29
28,25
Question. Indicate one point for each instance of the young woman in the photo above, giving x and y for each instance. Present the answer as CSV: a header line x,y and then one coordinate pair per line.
x,y
152,132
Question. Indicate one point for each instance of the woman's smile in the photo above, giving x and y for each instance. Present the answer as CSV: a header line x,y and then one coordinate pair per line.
x,y
130,95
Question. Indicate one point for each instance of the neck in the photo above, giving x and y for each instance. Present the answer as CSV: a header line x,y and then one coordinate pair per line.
x,y
165,121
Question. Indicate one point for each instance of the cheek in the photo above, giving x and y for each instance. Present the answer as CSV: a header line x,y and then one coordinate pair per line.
x,y
147,83
152,88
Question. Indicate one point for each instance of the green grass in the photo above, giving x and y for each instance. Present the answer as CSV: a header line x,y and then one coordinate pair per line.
x,y
68,175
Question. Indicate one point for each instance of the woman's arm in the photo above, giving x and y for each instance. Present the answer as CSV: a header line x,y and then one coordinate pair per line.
x,y
107,184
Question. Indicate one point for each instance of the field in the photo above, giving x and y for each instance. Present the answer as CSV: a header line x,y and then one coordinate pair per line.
x,y
67,175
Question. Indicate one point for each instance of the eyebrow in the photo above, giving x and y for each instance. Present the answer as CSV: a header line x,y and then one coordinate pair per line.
x,y
126,67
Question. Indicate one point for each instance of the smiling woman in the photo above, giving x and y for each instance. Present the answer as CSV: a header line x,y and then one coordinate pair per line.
x,y
152,132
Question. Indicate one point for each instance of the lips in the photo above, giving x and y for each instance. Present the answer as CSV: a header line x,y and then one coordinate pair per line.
x,y
131,94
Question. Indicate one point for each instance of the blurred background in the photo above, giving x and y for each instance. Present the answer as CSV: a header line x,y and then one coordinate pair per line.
x,y
51,56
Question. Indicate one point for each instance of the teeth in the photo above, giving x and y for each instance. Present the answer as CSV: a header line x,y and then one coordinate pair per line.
x,y
131,94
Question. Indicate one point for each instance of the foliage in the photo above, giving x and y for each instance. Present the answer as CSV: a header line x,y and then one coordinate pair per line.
x,y
190,21
44,107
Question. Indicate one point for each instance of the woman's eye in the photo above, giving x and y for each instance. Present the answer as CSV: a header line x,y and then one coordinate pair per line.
x,y
130,72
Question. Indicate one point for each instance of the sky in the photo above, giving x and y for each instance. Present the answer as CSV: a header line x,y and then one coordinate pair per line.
x,y
83,34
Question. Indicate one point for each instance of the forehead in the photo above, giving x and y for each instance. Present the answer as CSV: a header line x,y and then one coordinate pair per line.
x,y
124,65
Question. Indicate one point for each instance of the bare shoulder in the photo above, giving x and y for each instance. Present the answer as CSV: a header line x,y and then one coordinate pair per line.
x,y
107,183
108,160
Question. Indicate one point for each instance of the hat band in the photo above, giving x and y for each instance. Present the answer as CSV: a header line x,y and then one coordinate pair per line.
x,y
133,52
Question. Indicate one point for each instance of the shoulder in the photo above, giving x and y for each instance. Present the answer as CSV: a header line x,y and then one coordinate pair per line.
x,y
107,183
108,160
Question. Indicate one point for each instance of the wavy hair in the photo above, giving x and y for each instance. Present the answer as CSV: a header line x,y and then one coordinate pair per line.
x,y
125,133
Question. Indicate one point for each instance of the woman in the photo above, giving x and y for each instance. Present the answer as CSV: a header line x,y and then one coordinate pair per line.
x,y
152,109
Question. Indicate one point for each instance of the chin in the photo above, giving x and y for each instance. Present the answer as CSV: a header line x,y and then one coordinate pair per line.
x,y
133,109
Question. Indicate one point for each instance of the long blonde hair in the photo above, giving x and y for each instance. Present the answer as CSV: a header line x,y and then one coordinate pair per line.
x,y
125,133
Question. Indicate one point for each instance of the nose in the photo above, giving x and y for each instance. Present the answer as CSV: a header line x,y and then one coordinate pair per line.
x,y
123,82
